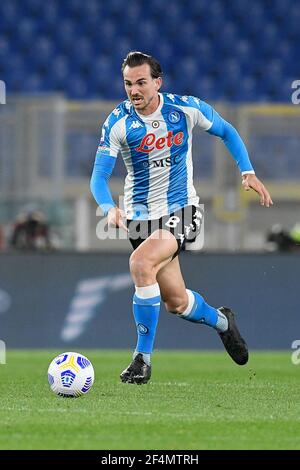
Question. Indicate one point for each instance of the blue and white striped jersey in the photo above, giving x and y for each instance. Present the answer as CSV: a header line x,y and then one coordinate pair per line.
x,y
157,152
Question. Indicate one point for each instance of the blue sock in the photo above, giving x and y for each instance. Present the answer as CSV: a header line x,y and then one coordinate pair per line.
x,y
199,311
146,306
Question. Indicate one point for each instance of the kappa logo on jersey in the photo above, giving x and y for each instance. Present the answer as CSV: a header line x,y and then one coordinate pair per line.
x,y
171,96
174,117
116,112
135,125
185,99
149,142
106,122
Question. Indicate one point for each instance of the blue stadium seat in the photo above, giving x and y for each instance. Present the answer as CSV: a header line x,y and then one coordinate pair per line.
x,y
77,87
247,90
205,88
82,53
60,72
42,53
9,12
102,69
66,35
292,23
244,54
26,32
4,50
165,55
227,40
33,84
254,22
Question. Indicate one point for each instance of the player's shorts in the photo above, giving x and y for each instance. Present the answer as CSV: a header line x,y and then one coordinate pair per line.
x,y
185,224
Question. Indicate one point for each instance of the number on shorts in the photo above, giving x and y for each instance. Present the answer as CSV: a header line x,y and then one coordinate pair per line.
x,y
173,221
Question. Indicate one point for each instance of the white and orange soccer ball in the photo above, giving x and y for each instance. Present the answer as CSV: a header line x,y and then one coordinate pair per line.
x,y
70,375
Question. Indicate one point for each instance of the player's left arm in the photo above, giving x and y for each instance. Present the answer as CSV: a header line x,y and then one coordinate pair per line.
x,y
234,143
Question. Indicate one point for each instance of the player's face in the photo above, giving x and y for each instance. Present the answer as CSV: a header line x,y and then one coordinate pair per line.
x,y
141,88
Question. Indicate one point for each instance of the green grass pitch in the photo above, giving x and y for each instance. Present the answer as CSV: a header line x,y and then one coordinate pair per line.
x,y
195,400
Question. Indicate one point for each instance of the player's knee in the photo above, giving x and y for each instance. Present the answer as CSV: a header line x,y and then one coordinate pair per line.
x,y
176,306
139,266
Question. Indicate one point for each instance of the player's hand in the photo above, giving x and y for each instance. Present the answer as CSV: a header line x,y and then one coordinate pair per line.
x,y
250,181
116,218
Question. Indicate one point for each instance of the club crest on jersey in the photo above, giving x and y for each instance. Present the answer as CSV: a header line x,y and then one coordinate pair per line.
x,y
174,117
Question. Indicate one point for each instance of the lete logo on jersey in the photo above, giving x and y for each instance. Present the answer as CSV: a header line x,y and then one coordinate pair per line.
x,y
149,141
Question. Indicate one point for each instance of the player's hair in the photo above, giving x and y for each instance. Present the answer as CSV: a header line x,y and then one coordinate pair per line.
x,y
136,58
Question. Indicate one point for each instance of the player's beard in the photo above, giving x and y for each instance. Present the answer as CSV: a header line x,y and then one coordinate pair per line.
x,y
143,104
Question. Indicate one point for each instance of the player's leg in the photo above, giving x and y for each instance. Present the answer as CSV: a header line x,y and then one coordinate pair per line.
x,y
190,305
147,259
186,303
153,254
172,287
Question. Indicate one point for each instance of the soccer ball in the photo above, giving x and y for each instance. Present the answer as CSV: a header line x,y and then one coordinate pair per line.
x,y
70,375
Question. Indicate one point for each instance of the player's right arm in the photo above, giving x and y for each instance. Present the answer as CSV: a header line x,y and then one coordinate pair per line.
x,y
105,160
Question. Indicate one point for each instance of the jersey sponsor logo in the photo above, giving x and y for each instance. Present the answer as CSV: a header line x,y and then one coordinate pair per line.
x,y
150,142
155,124
163,162
174,117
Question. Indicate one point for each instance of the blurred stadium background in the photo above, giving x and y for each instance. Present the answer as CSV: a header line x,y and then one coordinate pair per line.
x,y
60,61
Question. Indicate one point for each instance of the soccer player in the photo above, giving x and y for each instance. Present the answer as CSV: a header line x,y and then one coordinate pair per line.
x,y
153,132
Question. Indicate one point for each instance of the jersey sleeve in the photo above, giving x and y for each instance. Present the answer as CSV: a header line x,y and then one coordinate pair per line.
x,y
103,168
110,143
209,120
107,152
200,117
